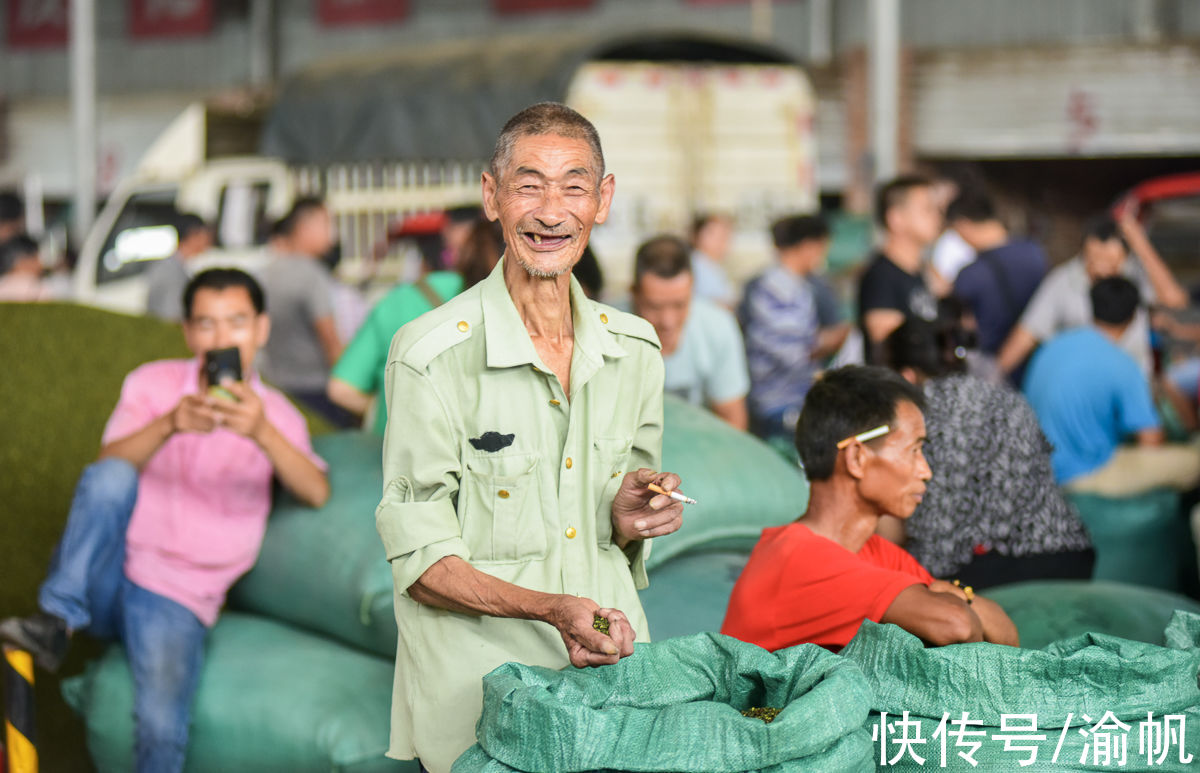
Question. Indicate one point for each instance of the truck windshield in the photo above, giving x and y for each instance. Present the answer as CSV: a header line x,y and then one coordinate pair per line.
x,y
142,233
242,220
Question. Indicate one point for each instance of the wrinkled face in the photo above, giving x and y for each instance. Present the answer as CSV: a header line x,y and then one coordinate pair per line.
x,y
918,217
313,234
224,318
547,200
664,303
895,470
1103,259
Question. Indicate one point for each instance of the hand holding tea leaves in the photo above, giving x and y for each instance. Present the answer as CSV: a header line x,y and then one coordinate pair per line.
x,y
587,645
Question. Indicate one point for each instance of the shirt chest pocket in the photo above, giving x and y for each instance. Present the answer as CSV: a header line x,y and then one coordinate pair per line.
x,y
612,462
500,508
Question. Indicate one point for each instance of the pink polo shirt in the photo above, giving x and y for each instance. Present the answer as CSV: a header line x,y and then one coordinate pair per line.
x,y
203,499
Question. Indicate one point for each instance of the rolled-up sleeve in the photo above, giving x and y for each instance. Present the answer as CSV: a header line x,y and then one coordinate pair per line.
x,y
647,452
416,518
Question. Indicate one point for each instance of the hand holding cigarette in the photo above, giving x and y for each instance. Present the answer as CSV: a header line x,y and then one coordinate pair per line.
x,y
646,505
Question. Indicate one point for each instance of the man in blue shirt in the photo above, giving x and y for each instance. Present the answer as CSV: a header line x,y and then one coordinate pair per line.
x,y
1089,395
703,355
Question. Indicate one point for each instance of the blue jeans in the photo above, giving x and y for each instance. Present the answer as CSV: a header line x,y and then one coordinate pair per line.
x,y
164,641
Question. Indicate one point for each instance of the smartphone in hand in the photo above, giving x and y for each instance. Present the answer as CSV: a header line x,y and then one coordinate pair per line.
x,y
222,365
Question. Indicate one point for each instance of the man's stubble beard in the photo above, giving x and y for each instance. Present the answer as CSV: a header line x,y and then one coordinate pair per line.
x,y
536,273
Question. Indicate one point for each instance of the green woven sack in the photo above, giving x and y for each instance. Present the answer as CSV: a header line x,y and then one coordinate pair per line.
x,y
1048,610
676,706
1139,539
1083,690
271,698
325,569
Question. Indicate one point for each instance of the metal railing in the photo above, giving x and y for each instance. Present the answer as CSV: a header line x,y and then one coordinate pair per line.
x,y
368,199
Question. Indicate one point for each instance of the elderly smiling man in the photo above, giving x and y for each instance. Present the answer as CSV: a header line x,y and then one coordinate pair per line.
x,y
524,427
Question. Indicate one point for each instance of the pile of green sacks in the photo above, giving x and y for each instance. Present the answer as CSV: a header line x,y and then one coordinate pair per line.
x,y
298,678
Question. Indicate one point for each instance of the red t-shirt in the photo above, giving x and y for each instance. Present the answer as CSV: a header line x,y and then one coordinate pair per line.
x,y
801,587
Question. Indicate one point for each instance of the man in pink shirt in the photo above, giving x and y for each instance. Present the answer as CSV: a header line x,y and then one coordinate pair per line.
x,y
173,513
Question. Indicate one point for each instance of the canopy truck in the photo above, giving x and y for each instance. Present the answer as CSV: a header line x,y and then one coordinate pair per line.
x,y
689,123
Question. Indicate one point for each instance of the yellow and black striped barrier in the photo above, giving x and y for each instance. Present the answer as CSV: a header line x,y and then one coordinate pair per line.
x,y
19,733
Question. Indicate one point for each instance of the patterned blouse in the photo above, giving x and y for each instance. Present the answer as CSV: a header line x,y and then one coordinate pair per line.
x,y
992,487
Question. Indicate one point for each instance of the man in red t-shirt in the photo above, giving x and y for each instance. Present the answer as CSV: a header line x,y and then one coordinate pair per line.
x,y
816,579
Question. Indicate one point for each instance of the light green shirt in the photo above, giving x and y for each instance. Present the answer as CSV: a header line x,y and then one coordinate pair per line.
x,y
536,513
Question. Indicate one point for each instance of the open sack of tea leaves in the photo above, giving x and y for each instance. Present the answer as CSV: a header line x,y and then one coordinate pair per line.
x,y
678,705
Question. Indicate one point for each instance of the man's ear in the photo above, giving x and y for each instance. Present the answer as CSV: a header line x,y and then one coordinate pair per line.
x,y
856,460
607,186
489,195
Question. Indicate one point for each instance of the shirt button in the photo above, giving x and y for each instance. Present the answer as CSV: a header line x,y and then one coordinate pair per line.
x,y
569,463
502,493
570,532
555,402
604,318
463,326
615,474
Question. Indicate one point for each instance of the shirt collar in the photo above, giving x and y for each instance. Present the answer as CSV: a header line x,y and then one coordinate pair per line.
x,y
507,341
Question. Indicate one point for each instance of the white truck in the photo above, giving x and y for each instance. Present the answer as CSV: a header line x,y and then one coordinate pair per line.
x,y
729,133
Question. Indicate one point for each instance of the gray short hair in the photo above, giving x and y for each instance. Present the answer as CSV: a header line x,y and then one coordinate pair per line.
x,y
545,118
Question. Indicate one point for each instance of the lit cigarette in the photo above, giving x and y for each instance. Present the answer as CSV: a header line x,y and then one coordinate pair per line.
x,y
863,437
678,497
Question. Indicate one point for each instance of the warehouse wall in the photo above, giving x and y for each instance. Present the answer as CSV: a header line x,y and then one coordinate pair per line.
x,y
221,60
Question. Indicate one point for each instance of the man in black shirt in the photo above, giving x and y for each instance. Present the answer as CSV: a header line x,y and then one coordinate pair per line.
x,y
892,289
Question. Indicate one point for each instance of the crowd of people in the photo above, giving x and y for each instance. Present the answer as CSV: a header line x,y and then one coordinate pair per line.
x,y
1037,381
939,429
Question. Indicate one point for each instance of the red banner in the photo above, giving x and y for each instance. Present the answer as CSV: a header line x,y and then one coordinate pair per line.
x,y
170,18
332,13
37,23
527,6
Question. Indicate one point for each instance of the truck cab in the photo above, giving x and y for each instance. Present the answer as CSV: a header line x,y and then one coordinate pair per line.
x,y
239,196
